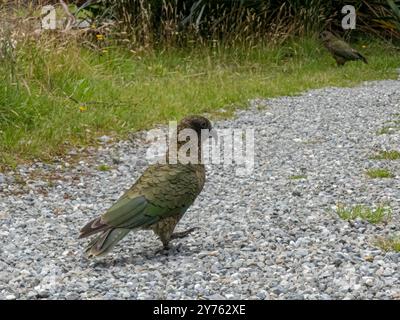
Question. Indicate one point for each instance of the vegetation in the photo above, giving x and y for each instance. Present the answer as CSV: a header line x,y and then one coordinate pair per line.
x,y
372,215
64,88
387,155
298,177
103,167
389,244
176,22
379,173
388,130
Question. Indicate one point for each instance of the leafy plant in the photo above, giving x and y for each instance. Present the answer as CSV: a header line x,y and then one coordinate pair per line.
x,y
395,11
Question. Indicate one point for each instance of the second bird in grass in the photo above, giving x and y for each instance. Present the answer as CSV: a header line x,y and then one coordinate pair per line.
x,y
340,50
157,200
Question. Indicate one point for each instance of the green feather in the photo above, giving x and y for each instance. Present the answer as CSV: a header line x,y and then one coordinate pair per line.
x,y
162,191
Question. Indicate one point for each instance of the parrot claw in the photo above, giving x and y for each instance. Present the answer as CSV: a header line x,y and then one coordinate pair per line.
x,y
179,235
165,250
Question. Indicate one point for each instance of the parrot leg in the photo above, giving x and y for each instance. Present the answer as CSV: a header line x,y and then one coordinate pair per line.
x,y
179,235
340,61
166,246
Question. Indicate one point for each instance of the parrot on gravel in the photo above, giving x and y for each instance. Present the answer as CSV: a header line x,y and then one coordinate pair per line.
x,y
340,50
156,201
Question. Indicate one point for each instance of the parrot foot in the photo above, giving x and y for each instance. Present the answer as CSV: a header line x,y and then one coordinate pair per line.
x,y
179,235
165,250
168,250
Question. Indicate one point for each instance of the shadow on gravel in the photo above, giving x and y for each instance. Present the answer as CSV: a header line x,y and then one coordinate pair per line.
x,y
143,257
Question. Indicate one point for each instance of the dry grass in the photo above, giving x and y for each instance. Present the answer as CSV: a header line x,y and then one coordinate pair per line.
x,y
389,244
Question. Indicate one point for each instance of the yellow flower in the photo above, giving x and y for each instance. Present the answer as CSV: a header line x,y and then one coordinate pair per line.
x,y
93,26
82,108
104,50
99,37
364,46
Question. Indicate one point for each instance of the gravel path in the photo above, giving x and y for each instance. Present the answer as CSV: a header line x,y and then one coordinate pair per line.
x,y
263,236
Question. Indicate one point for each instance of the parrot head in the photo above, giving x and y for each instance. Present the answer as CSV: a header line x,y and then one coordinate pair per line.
x,y
197,123
326,36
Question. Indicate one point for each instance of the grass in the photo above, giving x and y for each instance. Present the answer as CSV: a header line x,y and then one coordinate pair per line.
x,y
389,244
377,215
388,130
379,173
298,177
103,167
55,97
387,155
392,127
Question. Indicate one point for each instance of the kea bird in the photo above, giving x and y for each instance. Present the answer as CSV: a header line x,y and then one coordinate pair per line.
x,y
340,50
156,201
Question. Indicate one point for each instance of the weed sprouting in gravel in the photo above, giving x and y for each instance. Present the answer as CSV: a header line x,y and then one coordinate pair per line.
x,y
298,177
103,167
373,215
387,155
387,130
389,244
379,173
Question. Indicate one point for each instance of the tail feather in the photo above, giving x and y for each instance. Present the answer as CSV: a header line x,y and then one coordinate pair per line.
x,y
92,227
104,242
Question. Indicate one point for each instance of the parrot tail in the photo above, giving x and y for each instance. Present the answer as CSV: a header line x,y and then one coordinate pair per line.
x,y
94,226
104,242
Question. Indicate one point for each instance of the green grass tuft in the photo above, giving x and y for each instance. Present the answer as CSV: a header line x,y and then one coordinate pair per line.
x,y
387,155
389,244
103,167
379,173
377,215
298,177
387,130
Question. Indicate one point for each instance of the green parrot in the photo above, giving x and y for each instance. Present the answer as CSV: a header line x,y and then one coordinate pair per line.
x,y
156,201
340,50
